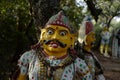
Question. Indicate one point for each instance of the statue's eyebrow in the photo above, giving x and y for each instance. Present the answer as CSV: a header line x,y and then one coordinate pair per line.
x,y
64,31
50,28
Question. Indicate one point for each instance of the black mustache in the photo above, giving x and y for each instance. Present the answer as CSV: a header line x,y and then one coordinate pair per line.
x,y
60,43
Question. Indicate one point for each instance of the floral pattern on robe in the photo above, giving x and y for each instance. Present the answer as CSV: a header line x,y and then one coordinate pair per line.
x,y
29,58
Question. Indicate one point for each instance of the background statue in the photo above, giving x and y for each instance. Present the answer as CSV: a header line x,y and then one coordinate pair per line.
x,y
87,39
105,39
116,44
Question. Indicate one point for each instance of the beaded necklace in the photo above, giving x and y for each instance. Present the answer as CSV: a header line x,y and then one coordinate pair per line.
x,y
46,71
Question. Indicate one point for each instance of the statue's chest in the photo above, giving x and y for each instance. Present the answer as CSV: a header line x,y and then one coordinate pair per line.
x,y
38,70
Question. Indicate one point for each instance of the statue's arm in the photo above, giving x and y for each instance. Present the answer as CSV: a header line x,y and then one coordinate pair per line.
x,y
21,77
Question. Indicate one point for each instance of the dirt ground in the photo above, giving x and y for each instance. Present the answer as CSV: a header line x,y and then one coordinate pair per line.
x,y
111,66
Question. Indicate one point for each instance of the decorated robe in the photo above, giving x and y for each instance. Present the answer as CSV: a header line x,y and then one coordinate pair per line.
x,y
105,37
94,65
31,65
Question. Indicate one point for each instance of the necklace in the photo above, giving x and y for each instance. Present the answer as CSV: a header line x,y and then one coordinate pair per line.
x,y
47,71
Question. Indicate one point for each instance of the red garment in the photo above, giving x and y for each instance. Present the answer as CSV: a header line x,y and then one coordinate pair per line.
x,y
89,27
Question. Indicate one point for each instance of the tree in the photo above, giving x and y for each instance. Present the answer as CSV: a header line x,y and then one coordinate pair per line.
x,y
17,33
42,10
73,12
110,9
95,11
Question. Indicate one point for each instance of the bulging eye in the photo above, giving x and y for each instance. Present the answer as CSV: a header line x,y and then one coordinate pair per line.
x,y
50,32
62,33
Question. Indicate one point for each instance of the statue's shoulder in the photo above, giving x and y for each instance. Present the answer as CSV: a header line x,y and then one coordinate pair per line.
x,y
28,54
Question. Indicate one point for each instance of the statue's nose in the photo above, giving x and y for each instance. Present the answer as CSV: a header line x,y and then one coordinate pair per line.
x,y
55,35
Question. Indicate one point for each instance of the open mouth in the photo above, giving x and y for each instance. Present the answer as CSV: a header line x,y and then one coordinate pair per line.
x,y
54,44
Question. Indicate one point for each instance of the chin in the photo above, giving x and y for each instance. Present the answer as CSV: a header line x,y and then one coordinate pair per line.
x,y
54,51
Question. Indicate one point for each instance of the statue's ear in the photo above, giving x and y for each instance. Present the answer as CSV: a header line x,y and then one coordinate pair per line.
x,y
42,34
73,39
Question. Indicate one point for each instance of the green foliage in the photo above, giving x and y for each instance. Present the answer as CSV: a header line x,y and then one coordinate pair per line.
x,y
98,30
73,12
15,33
110,9
115,25
18,31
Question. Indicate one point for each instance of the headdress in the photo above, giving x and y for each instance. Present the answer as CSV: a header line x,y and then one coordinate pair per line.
x,y
86,28
61,20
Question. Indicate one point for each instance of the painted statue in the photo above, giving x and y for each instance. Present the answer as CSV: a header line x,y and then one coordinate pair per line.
x,y
105,39
87,39
118,38
116,44
54,57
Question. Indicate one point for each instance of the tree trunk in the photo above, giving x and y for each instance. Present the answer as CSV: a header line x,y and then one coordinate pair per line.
x,y
42,10
95,12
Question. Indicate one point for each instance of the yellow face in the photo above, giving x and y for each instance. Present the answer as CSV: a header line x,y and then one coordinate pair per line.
x,y
56,40
105,29
90,39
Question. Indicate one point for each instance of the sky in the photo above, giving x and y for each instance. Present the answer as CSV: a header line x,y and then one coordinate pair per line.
x,y
117,19
82,3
